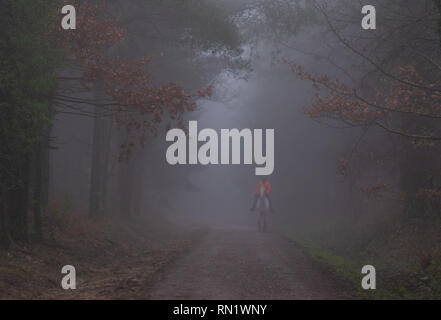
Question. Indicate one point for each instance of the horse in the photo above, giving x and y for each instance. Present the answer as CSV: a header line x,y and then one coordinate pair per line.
x,y
262,209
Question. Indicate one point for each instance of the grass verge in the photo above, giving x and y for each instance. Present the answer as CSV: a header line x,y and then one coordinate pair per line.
x,y
420,282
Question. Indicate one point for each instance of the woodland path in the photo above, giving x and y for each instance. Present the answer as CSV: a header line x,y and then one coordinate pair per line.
x,y
244,264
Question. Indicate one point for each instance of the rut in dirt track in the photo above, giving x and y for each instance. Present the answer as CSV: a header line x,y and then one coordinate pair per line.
x,y
245,264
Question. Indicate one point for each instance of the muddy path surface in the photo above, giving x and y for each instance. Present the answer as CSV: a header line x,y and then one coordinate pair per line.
x,y
245,264
209,264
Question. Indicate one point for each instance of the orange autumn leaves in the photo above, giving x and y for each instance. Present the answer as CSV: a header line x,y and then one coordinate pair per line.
x,y
137,102
404,103
406,94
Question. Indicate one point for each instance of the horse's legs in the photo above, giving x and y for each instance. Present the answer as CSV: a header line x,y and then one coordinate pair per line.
x,y
260,222
264,221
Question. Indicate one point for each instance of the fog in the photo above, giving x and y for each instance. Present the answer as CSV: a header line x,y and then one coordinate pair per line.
x,y
306,189
100,100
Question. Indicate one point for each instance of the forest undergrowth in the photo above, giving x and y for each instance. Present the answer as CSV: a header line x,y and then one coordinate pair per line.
x,y
406,253
113,259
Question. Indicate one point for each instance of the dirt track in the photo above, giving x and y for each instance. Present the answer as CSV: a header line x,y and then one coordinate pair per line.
x,y
244,264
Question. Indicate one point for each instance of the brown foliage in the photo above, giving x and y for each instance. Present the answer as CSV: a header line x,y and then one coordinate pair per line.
x,y
137,102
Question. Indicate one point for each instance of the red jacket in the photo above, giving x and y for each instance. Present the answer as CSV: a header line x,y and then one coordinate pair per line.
x,y
267,186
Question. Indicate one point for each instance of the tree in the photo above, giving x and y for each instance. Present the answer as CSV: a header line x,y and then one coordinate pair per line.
x,y
27,77
128,94
395,90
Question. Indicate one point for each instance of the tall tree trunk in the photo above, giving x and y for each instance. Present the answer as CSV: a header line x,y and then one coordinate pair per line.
x,y
37,192
45,161
4,238
438,5
19,204
107,167
94,194
126,189
100,159
139,185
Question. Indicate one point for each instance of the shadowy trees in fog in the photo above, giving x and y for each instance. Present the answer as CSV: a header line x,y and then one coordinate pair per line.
x,y
101,70
28,62
390,89
136,67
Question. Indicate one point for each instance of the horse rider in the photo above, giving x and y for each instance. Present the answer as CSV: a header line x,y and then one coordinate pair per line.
x,y
263,188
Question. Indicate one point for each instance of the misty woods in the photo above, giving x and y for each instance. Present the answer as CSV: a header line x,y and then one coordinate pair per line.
x,y
80,109
87,83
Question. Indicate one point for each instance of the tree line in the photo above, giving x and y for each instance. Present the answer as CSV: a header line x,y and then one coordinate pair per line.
x,y
95,72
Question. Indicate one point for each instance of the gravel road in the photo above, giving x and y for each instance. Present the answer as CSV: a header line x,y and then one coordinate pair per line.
x,y
245,264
